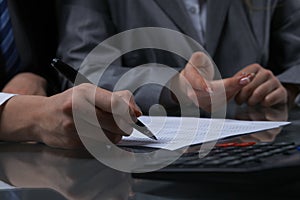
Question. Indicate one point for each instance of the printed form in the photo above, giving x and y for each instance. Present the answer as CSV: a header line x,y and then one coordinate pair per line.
x,y
177,132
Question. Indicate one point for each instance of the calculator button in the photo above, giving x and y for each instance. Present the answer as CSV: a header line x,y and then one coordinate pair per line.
x,y
250,159
229,158
234,163
194,163
257,151
266,154
223,154
245,154
214,163
276,151
239,150
283,144
183,160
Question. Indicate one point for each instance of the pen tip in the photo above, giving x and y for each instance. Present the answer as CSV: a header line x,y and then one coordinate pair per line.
x,y
153,137
54,61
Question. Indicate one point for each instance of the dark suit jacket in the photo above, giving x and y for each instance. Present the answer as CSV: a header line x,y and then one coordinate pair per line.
x,y
237,34
34,27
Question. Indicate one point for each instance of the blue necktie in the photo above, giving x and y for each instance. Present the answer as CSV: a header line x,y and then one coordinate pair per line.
x,y
10,56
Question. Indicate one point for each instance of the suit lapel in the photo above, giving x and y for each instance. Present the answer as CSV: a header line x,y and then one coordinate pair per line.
x,y
216,15
177,12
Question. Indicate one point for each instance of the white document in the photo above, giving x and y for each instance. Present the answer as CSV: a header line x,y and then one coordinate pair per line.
x,y
177,132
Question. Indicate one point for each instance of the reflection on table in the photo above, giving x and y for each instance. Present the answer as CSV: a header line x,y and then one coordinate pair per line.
x,y
74,174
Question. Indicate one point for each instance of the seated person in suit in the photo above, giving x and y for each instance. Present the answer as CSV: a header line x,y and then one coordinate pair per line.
x,y
260,38
26,45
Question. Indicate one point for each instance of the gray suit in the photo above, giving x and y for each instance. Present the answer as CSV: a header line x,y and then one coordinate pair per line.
x,y
35,34
266,32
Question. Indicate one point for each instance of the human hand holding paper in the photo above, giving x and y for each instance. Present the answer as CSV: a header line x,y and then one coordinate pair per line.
x,y
197,85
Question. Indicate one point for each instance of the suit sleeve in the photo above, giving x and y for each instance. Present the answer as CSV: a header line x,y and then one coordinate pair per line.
x,y
285,40
34,24
83,25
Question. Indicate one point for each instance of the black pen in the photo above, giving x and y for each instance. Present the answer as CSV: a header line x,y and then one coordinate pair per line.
x,y
71,74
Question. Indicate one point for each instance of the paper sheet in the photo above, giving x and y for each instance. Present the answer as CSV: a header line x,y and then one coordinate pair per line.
x,y
176,132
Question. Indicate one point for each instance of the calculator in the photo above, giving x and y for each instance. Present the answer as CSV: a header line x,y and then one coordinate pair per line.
x,y
235,162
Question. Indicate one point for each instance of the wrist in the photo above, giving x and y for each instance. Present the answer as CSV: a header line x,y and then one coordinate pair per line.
x,y
27,84
22,110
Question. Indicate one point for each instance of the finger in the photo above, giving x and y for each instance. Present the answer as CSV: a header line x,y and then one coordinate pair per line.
x,y
94,95
203,64
129,99
234,84
278,96
113,103
201,99
254,68
108,101
222,91
115,124
113,137
260,93
104,100
247,91
196,80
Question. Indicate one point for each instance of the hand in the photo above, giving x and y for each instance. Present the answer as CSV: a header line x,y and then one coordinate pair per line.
x,y
26,84
50,119
265,89
114,114
196,84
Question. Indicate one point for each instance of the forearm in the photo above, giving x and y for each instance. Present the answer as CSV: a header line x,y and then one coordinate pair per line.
x,y
19,117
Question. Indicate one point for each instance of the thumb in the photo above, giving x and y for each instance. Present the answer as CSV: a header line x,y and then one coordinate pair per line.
x,y
234,84
128,97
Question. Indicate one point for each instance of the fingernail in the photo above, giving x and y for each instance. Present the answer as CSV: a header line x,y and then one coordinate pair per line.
x,y
252,75
244,81
138,113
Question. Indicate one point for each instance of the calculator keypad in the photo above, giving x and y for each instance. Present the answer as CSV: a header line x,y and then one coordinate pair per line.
x,y
235,155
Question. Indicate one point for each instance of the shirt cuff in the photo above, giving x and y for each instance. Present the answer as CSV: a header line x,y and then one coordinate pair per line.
x,y
5,97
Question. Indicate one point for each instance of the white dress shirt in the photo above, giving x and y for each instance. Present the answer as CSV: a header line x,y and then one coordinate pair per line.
x,y
4,97
198,15
4,186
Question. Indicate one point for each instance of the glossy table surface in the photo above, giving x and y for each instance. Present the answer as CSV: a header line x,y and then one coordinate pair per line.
x,y
39,172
